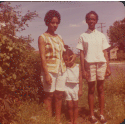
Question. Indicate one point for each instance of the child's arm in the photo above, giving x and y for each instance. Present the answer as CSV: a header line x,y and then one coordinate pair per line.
x,y
84,73
108,71
80,81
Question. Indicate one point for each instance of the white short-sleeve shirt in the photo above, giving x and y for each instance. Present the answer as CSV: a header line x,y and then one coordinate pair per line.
x,y
72,74
93,43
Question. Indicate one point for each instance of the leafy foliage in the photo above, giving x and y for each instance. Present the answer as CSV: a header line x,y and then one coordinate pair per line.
x,y
19,69
116,32
121,55
19,65
13,20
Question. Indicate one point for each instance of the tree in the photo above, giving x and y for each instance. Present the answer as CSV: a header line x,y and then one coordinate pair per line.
x,y
13,20
116,32
16,54
19,65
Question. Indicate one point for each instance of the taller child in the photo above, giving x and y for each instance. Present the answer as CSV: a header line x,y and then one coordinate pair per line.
x,y
94,60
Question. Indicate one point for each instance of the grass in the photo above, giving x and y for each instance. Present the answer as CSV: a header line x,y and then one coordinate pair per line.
x,y
111,61
32,113
35,113
117,61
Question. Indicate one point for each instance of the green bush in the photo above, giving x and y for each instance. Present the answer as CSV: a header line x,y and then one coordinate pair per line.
x,y
120,55
19,71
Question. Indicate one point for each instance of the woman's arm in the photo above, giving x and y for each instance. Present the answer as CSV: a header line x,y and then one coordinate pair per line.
x,y
108,71
73,58
41,45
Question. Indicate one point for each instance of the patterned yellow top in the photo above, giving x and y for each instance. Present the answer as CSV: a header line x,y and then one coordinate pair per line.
x,y
54,48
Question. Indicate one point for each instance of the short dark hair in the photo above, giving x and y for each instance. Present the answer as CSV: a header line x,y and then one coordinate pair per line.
x,y
67,53
92,12
50,14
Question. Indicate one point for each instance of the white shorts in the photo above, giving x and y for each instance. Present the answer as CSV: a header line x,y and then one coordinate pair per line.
x,y
58,82
71,91
96,71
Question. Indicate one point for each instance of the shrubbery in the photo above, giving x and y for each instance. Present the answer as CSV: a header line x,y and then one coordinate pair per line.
x,y
19,65
19,73
121,55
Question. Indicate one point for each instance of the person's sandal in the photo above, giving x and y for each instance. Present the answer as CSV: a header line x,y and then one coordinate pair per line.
x,y
102,119
60,123
93,120
70,123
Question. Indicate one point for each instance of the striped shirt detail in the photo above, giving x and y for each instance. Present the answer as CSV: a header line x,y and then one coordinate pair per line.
x,y
54,48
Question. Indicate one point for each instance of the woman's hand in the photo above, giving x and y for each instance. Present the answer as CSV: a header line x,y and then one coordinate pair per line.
x,y
48,79
71,60
73,57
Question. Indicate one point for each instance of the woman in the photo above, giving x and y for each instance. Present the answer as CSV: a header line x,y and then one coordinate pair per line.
x,y
51,47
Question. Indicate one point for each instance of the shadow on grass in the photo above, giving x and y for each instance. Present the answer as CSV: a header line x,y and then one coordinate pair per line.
x,y
40,94
63,109
83,112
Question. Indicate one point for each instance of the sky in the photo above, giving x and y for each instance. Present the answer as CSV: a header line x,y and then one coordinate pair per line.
x,y
72,18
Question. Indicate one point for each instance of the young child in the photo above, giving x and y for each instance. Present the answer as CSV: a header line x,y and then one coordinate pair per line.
x,y
73,87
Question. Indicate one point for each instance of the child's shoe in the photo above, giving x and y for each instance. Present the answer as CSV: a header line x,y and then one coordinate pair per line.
x,y
70,123
102,119
93,120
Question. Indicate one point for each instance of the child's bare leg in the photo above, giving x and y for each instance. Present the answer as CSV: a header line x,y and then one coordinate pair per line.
x,y
58,104
75,111
91,89
100,95
48,102
70,110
